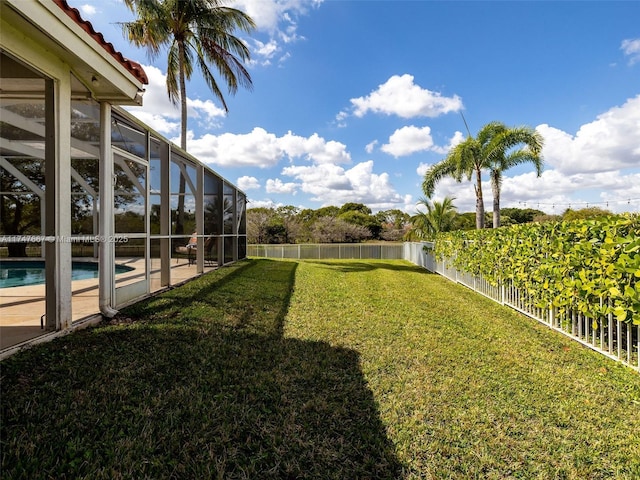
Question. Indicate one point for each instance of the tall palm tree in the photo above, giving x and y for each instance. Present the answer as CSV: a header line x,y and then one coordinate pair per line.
x,y
465,159
472,156
506,158
438,218
194,32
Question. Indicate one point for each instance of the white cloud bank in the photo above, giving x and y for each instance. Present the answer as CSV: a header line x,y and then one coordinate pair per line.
x,y
610,142
334,185
262,149
598,166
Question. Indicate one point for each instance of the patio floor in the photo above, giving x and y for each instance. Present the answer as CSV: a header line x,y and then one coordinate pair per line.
x,y
22,308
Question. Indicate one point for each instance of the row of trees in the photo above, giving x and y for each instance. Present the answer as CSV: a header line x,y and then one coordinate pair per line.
x,y
354,222
443,217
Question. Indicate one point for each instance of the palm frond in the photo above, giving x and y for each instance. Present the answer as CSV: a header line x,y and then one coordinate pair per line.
x,y
196,33
173,70
437,172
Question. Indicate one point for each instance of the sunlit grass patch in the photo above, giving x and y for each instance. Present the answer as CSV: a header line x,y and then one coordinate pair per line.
x,y
467,388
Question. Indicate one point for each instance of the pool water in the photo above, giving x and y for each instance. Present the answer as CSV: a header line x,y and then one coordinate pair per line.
x,y
17,273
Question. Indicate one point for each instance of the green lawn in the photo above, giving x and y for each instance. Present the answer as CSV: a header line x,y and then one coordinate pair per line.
x,y
318,369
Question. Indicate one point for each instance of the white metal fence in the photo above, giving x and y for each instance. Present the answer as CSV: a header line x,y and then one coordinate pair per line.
x,y
617,340
325,251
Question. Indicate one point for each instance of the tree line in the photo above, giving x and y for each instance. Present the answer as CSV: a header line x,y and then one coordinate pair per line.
x,y
355,222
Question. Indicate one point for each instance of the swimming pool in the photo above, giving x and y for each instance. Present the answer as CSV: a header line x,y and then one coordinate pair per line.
x,y
18,273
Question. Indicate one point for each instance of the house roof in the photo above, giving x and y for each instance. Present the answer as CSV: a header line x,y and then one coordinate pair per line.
x,y
133,67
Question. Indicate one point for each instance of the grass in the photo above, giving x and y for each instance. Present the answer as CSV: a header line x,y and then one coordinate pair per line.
x,y
318,369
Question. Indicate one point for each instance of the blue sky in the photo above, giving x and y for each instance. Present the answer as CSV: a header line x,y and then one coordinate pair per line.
x,y
354,100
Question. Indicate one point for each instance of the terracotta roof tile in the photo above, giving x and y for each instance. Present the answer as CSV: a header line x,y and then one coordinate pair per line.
x,y
133,67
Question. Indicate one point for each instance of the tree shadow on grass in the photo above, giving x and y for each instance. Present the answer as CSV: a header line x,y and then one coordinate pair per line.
x,y
195,392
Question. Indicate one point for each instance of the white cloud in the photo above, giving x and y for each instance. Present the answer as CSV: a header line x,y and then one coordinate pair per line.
x,y
400,96
206,111
370,146
464,193
262,149
256,149
246,183
422,169
408,140
554,192
314,148
278,186
608,143
277,19
88,10
266,14
340,119
157,122
252,203
631,48
599,166
265,52
333,185
160,114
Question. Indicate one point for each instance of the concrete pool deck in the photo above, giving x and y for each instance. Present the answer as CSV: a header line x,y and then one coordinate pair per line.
x,y
21,308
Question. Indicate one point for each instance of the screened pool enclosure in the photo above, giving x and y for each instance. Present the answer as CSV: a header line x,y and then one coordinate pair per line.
x,y
83,181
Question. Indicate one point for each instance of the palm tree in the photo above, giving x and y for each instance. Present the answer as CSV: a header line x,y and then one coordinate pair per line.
x,y
471,157
199,32
438,218
507,158
465,159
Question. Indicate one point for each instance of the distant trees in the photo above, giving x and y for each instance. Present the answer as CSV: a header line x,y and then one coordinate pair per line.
x,y
588,213
359,214
338,230
394,224
20,209
354,222
520,215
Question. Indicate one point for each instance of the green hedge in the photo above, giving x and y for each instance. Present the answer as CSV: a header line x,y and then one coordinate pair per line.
x,y
592,266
